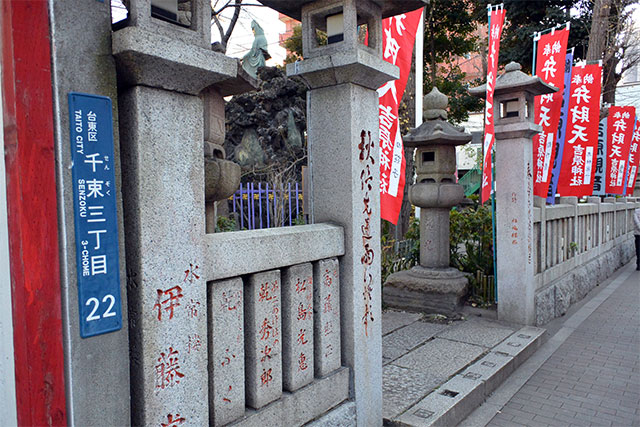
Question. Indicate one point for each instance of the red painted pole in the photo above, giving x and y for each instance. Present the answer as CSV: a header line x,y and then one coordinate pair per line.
x,y
32,213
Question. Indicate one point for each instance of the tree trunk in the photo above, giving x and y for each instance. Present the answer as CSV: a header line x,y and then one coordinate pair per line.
x,y
598,36
610,80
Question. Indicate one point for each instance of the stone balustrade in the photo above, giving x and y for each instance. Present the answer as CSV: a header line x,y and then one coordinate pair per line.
x,y
274,329
576,247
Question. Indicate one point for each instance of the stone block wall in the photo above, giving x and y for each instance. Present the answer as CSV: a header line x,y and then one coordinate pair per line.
x,y
264,330
577,246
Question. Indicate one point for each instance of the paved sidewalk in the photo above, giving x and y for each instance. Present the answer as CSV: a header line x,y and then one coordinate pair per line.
x,y
419,355
592,377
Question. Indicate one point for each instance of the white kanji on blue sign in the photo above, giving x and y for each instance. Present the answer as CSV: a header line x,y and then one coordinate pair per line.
x,y
96,221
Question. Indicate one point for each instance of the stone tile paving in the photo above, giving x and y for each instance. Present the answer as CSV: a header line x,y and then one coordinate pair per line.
x,y
441,356
402,387
392,320
407,338
593,378
420,356
477,331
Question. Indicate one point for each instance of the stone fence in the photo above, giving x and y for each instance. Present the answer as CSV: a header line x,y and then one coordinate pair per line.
x,y
576,247
274,326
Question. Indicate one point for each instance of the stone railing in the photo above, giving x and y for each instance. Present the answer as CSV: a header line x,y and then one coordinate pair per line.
x,y
274,325
577,246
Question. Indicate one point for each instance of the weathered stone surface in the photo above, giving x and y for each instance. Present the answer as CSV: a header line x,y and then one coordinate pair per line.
x,y
407,338
476,332
326,307
168,306
306,404
492,369
263,339
226,350
402,387
155,60
448,405
582,282
545,305
564,295
521,344
221,179
434,231
426,289
242,252
342,416
81,62
440,357
392,320
297,326
341,196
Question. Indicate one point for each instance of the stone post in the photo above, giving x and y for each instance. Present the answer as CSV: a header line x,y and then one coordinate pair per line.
x,y
432,286
96,368
162,68
514,126
342,106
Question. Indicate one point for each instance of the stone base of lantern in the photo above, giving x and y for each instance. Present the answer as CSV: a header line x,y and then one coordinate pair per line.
x,y
431,290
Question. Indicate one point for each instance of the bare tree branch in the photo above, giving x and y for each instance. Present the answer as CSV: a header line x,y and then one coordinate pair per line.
x,y
232,24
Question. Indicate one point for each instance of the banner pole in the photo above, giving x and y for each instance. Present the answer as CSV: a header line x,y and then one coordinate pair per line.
x,y
493,227
419,70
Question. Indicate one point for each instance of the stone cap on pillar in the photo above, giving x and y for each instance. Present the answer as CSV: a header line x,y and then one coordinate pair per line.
x,y
436,130
293,8
157,60
514,80
343,57
513,102
358,67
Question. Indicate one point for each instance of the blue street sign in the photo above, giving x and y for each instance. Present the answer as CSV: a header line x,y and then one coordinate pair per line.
x,y
96,222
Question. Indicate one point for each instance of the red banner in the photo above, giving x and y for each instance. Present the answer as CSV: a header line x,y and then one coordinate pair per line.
x,y
496,22
634,159
550,56
580,148
399,35
619,132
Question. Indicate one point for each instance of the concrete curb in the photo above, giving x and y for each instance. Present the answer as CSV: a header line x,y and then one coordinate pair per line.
x,y
454,400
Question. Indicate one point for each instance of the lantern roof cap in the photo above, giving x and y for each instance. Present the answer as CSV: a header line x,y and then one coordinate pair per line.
x,y
513,79
293,8
436,130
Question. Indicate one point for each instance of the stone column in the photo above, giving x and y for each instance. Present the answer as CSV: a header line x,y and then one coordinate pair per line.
x,y
96,368
514,226
162,68
343,149
342,107
514,128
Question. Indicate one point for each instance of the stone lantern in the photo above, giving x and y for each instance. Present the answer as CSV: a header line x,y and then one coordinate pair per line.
x,y
342,131
514,127
432,285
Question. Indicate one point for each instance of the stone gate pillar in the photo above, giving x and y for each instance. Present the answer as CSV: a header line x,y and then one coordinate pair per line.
x,y
342,111
162,68
514,126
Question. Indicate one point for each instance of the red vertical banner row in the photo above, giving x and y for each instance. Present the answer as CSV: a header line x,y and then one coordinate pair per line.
x,y
578,160
550,62
32,213
619,132
398,37
496,24
634,159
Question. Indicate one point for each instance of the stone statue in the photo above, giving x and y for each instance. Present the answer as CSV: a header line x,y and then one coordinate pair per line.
x,y
258,55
